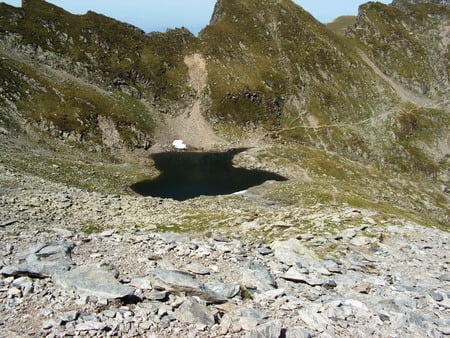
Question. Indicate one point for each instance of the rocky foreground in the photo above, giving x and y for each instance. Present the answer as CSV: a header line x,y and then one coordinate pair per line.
x,y
348,273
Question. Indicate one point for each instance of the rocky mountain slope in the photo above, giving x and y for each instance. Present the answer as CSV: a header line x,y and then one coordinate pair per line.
x,y
366,275
358,123
409,42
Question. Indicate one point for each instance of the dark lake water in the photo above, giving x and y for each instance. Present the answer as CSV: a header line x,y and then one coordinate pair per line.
x,y
185,175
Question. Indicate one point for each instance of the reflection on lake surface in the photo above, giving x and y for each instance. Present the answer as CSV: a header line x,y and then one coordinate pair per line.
x,y
185,175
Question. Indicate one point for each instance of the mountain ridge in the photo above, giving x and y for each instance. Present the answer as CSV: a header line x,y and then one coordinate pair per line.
x,y
263,74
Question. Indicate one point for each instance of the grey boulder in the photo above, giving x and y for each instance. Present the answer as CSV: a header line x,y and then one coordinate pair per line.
x,y
93,281
192,312
42,260
257,276
182,282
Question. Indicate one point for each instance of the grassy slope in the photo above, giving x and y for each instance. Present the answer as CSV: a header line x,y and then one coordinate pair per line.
x,y
332,180
340,25
72,107
407,44
98,50
104,45
281,64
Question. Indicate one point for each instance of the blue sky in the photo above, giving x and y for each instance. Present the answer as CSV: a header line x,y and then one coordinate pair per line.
x,y
157,15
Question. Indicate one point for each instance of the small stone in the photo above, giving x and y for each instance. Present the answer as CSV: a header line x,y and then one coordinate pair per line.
x,y
348,234
298,332
271,329
252,313
170,237
110,313
193,312
69,316
63,232
106,233
165,322
360,241
200,327
248,323
159,296
436,296
257,276
48,324
288,256
384,317
142,283
42,260
225,324
225,290
46,312
197,269
330,284
444,330
270,295
25,284
146,325
224,247
332,266
355,304
182,282
90,326
445,303
14,293
294,275
280,224
265,251
93,281
445,277
222,239
364,288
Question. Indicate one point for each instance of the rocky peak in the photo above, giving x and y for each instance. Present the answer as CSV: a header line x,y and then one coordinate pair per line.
x,y
401,3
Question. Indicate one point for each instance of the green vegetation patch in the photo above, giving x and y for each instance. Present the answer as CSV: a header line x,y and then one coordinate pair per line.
x,y
341,24
74,107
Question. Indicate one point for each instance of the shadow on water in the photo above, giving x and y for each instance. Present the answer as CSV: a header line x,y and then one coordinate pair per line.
x,y
185,175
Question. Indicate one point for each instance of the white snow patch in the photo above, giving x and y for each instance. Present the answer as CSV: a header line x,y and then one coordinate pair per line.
x,y
179,144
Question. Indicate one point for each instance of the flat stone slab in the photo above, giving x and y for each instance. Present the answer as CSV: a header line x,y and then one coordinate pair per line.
x,y
42,260
226,290
192,312
270,329
179,281
93,281
296,276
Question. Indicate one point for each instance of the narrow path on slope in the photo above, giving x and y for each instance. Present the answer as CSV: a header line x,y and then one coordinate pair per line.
x,y
404,94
